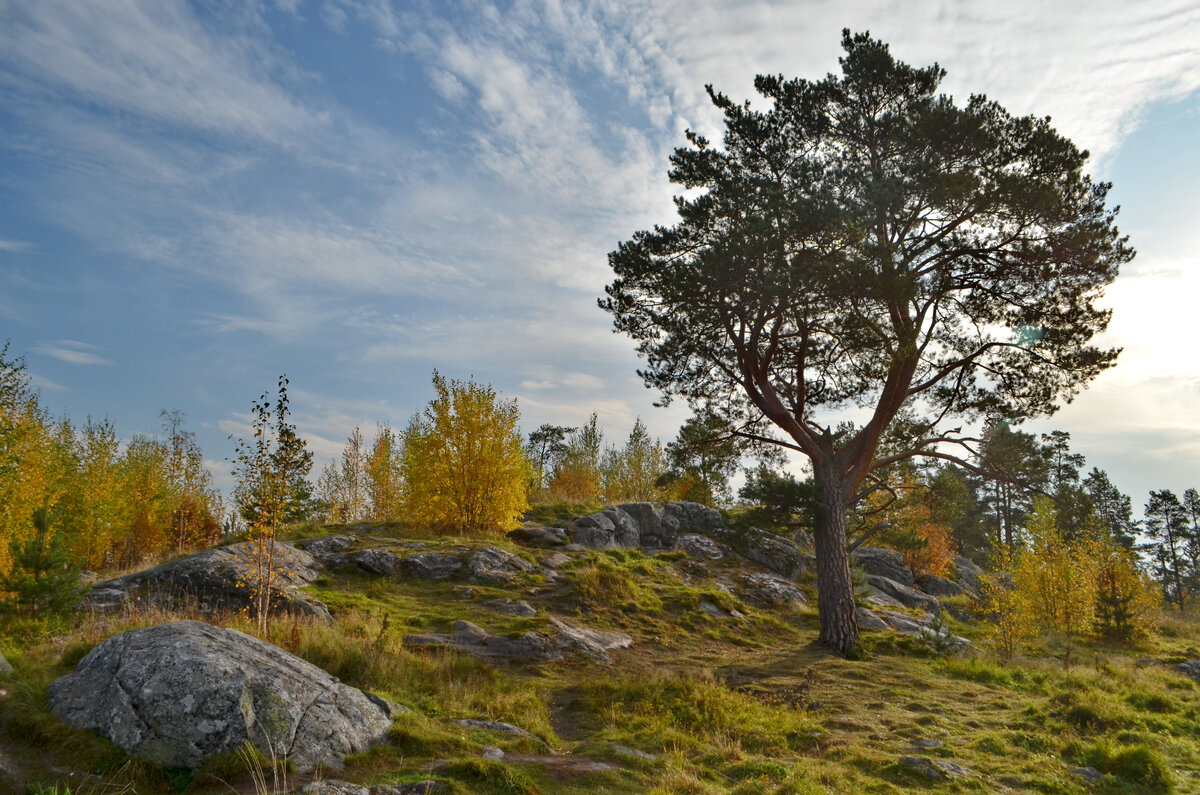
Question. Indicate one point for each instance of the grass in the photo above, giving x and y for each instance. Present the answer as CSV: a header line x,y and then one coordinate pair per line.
x,y
721,704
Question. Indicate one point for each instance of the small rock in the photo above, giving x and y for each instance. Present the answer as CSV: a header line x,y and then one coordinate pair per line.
x,y
5,667
700,547
934,769
493,753
555,560
574,548
1089,774
593,643
413,788
1191,668
494,726
334,787
625,752
708,608
926,744
510,608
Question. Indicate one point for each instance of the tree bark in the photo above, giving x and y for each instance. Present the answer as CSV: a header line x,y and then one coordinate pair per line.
x,y
835,589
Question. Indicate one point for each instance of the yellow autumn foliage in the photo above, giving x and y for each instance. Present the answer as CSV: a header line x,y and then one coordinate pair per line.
x,y
464,467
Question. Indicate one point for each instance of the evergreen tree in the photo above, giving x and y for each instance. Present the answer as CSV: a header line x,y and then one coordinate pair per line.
x,y
1112,508
546,448
1167,527
703,457
44,578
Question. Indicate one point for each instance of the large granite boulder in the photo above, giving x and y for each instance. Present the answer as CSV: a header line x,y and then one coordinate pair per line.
x,y
611,528
219,579
883,563
177,694
692,517
653,534
779,554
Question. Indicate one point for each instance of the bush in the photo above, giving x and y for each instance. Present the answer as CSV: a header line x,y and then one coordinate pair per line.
x,y
464,467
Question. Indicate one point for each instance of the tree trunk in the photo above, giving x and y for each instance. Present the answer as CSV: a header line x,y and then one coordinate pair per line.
x,y
835,589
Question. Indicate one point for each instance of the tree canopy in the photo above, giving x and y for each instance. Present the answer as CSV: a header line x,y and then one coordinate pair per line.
x,y
866,243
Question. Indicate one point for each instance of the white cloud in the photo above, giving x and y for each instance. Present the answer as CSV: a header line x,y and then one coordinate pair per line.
x,y
154,60
14,246
73,352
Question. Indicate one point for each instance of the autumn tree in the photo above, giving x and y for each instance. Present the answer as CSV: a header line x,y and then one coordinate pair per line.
x,y
272,490
342,487
577,476
631,473
464,467
867,242
385,474
195,515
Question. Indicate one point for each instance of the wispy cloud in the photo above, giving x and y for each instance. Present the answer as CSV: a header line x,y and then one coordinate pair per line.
x,y
72,352
14,246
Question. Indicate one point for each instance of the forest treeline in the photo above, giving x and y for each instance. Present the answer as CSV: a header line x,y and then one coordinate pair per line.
x,y
464,465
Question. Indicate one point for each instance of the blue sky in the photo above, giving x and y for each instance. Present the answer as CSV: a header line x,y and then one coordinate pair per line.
x,y
196,197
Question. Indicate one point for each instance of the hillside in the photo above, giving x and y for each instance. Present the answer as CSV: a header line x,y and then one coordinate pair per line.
x,y
718,690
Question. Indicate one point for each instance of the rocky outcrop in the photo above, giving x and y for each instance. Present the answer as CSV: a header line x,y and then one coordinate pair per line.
x,y
699,546
219,579
883,563
496,565
645,525
176,694
538,536
869,619
779,554
905,595
430,566
969,576
939,586
562,640
510,608
611,528
325,546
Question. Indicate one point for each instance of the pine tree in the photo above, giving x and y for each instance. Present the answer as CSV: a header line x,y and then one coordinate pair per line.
x,y
1166,526
44,578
